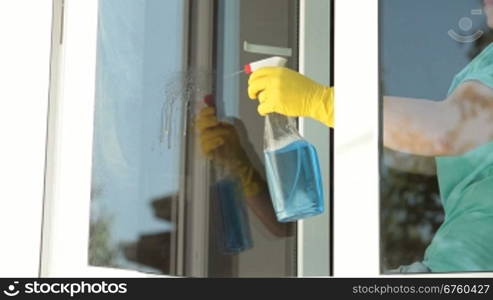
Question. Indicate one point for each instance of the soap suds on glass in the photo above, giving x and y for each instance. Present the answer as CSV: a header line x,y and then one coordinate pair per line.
x,y
181,89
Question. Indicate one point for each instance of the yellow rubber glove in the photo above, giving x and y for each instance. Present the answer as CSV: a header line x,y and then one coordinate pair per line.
x,y
287,92
220,142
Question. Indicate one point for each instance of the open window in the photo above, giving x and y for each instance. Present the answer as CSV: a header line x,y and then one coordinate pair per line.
x,y
149,195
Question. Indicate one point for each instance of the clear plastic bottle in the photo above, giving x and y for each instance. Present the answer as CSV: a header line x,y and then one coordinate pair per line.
x,y
293,171
291,162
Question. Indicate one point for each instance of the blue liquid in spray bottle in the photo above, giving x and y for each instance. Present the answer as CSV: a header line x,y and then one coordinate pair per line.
x,y
295,182
292,166
233,228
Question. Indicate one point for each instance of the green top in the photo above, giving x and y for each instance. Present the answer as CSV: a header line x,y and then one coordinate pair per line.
x,y
464,242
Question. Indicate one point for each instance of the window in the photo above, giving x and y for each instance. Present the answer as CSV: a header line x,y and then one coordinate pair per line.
x,y
152,206
137,146
133,193
434,73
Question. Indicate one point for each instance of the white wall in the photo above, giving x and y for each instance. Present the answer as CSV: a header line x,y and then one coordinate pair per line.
x,y
25,28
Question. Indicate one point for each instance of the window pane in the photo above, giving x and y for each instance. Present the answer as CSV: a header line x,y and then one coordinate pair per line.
x,y
160,204
136,141
436,164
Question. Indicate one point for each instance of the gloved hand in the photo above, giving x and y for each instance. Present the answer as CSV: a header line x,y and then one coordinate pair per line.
x,y
220,142
287,92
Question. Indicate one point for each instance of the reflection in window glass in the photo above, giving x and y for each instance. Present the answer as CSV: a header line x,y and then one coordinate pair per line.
x,y
166,196
136,142
436,166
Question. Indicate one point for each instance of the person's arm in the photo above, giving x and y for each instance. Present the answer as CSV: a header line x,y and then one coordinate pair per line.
x,y
453,126
261,205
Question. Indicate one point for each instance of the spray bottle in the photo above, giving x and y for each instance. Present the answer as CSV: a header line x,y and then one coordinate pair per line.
x,y
233,233
292,165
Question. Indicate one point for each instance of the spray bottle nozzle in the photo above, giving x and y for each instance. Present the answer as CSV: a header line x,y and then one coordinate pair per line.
x,y
209,100
247,69
274,61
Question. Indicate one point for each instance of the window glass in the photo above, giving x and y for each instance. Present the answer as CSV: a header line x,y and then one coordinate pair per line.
x,y
137,144
436,62
162,203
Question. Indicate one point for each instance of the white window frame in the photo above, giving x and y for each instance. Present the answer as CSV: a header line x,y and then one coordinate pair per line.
x,y
356,205
313,245
67,205
68,171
